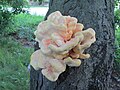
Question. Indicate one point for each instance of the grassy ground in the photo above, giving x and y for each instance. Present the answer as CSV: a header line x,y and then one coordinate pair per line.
x,y
24,25
14,60
14,57
117,51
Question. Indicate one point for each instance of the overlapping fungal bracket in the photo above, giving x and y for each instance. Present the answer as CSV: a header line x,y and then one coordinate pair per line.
x,y
62,42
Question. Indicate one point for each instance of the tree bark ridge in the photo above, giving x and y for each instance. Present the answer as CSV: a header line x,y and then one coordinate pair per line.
x,y
95,72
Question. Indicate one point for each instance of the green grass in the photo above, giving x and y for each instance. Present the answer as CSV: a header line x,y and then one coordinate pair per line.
x,y
117,42
24,25
14,60
117,51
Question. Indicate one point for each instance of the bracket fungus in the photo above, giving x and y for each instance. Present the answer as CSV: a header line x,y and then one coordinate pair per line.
x,y
62,42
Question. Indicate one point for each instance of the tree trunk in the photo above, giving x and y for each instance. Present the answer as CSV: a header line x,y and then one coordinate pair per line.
x,y
95,72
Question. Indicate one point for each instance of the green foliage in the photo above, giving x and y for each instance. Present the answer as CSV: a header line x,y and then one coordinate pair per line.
x,y
117,14
117,35
6,15
117,18
14,60
17,5
24,25
116,2
117,51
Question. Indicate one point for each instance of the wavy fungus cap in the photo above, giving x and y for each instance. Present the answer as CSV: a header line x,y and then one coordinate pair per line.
x,y
62,42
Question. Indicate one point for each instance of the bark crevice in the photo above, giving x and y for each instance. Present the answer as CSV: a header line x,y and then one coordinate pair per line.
x,y
95,72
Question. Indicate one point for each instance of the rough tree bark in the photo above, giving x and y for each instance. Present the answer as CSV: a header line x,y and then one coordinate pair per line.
x,y
95,72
